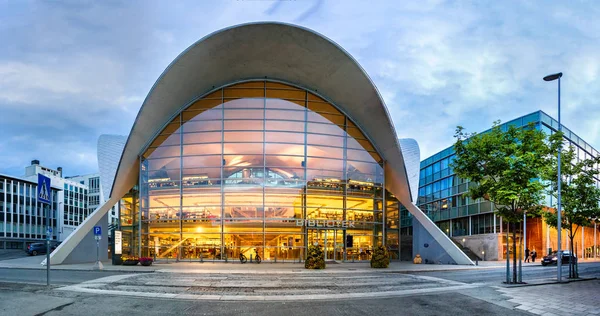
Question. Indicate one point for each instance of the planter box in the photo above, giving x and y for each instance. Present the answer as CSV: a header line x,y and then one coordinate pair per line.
x,y
130,262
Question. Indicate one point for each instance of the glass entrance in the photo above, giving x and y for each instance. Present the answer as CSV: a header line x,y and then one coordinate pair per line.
x,y
331,240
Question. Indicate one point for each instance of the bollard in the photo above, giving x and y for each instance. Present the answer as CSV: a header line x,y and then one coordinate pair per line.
x,y
476,261
275,259
250,258
352,258
201,259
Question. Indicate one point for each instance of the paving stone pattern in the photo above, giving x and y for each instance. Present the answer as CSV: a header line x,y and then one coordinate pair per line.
x,y
575,298
267,287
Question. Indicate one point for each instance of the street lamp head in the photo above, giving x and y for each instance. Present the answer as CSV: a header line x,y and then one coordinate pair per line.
x,y
553,77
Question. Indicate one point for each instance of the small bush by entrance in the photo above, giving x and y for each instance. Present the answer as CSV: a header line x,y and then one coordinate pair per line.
x,y
314,258
380,258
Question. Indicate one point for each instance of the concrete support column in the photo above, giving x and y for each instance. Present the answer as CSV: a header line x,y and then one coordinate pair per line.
x,y
494,223
470,225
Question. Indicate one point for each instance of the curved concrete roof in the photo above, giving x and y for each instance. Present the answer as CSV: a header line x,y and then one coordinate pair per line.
x,y
273,51
266,50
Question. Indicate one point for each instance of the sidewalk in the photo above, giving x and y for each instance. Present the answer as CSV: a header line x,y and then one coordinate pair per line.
x,y
236,267
253,268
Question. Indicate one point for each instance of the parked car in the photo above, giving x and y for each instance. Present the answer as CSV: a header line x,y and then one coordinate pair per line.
x,y
40,248
553,258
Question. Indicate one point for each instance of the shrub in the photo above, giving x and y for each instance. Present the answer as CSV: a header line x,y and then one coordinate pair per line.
x,y
380,258
314,258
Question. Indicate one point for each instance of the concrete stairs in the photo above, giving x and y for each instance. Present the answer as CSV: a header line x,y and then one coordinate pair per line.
x,y
472,255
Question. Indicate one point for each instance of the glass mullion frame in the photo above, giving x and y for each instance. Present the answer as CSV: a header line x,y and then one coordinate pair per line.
x,y
221,166
264,147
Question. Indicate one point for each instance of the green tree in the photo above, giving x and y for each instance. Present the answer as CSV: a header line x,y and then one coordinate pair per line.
x,y
579,194
506,167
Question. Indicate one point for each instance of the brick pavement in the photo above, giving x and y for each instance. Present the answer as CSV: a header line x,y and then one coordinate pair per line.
x,y
574,298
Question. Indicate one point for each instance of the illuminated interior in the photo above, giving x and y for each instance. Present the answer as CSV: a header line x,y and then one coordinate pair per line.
x,y
239,170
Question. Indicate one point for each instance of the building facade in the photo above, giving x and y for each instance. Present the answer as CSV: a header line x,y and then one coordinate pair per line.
x,y
96,195
72,198
278,142
22,217
472,223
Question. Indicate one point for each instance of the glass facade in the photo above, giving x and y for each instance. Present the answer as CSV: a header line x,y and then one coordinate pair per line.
x,y
259,167
441,192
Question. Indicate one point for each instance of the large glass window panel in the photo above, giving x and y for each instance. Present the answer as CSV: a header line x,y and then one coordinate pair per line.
x,y
325,213
323,107
202,126
202,161
284,196
243,160
285,161
201,138
202,149
164,163
200,176
285,115
244,114
237,93
244,125
325,164
243,148
284,137
166,140
243,136
321,128
327,152
326,118
318,175
208,102
165,151
247,103
287,126
284,149
326,140
285,94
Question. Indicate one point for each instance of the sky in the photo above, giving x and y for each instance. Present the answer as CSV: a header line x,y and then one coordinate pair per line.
x,y
73,70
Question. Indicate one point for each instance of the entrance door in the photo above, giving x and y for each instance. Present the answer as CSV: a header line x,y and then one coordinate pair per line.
x,y
330,239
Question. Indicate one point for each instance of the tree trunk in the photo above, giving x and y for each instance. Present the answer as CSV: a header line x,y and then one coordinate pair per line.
x,y
514,229
571,262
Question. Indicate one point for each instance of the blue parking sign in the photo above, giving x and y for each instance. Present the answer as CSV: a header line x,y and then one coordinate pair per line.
x,y
97,231
43,189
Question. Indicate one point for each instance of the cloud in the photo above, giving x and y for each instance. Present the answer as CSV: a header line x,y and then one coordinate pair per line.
x,y
70,71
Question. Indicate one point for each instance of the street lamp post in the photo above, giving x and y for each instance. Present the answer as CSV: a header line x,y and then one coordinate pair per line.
x,y
558,227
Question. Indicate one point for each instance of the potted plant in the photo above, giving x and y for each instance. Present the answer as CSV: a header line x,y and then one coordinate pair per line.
x,y
146,261
129,260
380,258
314,258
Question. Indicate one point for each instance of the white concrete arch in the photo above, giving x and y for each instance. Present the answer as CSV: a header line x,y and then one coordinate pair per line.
x,y
275,51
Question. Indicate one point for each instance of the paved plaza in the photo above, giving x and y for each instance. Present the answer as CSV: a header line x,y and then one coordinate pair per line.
x,y
574,298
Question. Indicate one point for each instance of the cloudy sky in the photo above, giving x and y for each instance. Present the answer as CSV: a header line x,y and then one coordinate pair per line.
x,y
71,71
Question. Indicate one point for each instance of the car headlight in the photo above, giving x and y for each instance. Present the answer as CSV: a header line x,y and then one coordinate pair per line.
x,y
554,259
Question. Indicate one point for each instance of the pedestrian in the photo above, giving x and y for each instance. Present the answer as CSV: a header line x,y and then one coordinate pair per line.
x,y
533,255
526,254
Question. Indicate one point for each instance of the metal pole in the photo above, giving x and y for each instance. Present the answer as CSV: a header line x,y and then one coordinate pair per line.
x,y
47,246
559,209
595,244
507,256
97,250
524,233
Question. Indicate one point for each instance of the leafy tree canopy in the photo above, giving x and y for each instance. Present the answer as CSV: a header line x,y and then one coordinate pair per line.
x,y
506,166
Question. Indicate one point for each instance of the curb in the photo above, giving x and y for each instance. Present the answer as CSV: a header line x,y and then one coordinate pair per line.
x,y
508,286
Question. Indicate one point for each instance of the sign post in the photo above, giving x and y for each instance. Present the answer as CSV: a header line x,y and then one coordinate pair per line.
x,y
98,236
45,198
